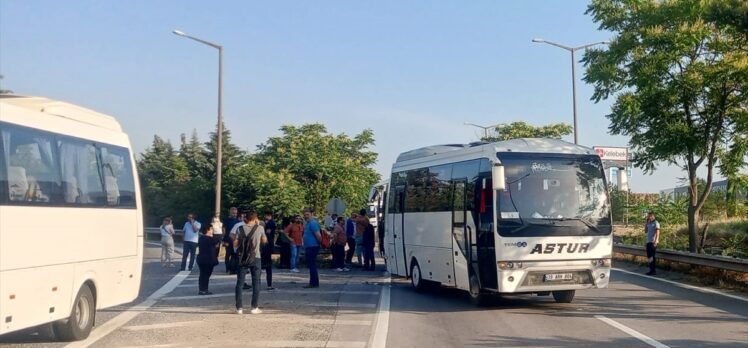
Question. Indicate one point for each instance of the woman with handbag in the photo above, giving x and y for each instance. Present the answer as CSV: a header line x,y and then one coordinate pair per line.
x,y
167,243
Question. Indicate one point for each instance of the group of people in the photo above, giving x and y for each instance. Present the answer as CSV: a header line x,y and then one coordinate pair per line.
x,y
249,245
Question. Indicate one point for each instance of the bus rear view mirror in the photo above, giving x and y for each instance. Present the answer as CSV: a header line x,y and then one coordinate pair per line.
x,y
499,181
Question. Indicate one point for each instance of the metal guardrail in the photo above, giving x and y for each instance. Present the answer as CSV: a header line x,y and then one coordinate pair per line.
x,y
154,233
721,262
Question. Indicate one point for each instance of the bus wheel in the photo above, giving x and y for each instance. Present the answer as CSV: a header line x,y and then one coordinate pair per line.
x,y
78,325
416,279
563,296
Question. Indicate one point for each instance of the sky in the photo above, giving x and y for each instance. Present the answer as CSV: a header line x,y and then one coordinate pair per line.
x,y
412,71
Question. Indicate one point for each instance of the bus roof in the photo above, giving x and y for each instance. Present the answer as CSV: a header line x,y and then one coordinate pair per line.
x,y
523,145
61,109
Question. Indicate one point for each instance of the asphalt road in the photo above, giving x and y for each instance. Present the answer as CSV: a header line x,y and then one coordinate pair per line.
x,y
349,310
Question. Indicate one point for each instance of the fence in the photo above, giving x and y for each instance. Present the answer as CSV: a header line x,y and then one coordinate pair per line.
x,y
720,262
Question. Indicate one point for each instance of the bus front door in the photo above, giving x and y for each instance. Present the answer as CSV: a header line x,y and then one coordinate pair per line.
x,y
460,227
397,263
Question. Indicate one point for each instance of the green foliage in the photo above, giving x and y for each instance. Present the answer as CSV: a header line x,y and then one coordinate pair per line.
x,y
323,164
680,85
306,166
520,129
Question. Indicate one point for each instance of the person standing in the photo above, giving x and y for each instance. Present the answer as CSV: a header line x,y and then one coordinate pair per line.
x,y
228,226
361,222
338,246
312,239
380,239
283,241
207,259
267,249
167,243
295,231
368,246
350,232
189,247
652,228
247,243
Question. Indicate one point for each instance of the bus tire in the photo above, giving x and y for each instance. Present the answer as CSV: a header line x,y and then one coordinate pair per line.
x,y
565,296
416,277
78,325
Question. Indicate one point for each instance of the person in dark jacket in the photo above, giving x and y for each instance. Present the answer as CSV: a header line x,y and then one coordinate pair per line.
x,y
207,259
368,246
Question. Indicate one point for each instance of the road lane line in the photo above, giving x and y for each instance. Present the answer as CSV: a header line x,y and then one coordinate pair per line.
x,y
642,337
686,286
161,326
124,317
379,338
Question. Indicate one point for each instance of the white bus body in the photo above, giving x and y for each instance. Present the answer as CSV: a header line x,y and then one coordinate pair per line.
x,y
547,231
71,227
376,200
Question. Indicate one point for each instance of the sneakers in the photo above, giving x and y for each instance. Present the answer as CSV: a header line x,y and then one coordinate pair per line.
x,y
310,286
202,293
270,288
651,273
295,270
239,311
256,311
346,269
339,270
247,286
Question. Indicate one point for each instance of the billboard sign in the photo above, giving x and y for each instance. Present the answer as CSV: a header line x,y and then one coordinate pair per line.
x,y
612,153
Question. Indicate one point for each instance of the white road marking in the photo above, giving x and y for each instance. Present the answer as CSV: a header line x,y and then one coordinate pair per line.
x,y
379,337
122,318
160,326
686,286
642,337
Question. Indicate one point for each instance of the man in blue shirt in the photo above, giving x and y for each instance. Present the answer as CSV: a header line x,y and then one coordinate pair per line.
x,y
189,247
228,225
350,231
312,239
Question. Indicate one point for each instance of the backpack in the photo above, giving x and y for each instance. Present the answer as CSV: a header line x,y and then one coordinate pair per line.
x,y
325,242
246,253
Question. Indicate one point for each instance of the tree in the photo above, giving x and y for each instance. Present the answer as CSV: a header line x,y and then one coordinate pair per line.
x,y
520,129
324,165
234,183
162,173
679,84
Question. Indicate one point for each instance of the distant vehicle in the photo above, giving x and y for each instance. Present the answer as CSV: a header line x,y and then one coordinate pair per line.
x,y
518,216
376,200
71,226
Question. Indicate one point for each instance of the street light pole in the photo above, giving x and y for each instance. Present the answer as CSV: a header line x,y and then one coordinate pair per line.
x,y
219,135
485,128
573,76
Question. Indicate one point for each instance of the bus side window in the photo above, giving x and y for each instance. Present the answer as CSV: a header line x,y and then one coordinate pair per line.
x,y
31,166
118,179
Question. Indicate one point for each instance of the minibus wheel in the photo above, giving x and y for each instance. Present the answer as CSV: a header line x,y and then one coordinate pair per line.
x,y
78,325
565,296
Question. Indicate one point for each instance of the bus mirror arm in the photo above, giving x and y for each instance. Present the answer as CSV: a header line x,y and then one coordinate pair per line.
x,y
498,178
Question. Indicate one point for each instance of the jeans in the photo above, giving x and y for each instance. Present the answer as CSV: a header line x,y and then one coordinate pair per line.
x,y
188,248
267,262
351,249
311,262
369,262
285,255
205,272
338,256
359,248
229,258
241,276
295,256
651,251
167,250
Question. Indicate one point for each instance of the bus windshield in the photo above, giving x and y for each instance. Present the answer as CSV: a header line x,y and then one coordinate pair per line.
x,y
557,195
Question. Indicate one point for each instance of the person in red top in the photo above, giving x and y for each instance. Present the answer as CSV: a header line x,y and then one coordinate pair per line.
x,y
339,239
295,232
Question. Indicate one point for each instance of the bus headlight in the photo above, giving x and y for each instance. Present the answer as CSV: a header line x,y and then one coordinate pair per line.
x,y
504,265
601,262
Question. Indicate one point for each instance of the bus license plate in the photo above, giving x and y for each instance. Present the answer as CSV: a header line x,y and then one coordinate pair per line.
x,y
558,276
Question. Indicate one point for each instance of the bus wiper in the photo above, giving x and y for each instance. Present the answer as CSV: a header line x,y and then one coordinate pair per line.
x,y
584,221
526,225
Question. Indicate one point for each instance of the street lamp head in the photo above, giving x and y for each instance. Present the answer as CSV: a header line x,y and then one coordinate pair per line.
x,y
179,32
537,39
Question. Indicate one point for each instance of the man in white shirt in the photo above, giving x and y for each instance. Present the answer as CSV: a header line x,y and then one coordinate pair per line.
x,y
191,234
